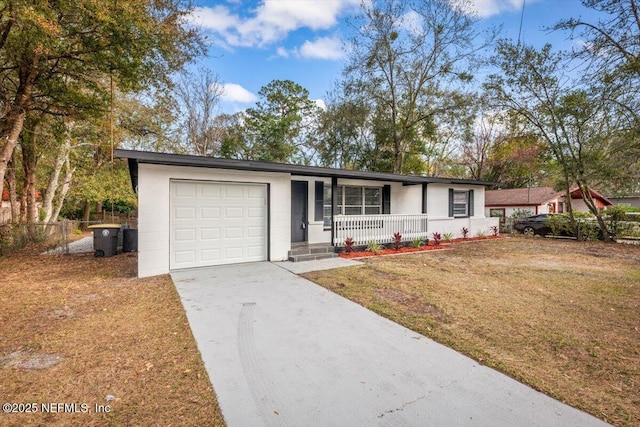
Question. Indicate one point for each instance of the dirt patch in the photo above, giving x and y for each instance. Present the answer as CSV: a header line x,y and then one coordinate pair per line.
x,y
25,360
559,315
412,304
75,329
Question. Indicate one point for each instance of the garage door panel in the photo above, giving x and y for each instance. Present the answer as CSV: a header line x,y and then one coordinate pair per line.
x,y
255,193
233,233
210,255
217,223
254,251
234,213
210,213
255,212
210,234
255,232
185,213
185,257
234,192
185,189
211,191
185,235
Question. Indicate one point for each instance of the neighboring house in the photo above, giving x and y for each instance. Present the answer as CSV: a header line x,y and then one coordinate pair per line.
x,y
5,206
630,200
536,200
200,211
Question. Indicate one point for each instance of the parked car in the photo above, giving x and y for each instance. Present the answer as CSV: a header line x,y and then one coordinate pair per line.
x,y
536,224
558,225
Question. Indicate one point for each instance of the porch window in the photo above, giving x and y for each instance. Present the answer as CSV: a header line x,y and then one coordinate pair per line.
x,y
353,201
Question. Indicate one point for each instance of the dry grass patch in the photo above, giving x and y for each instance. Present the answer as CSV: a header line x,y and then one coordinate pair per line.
x,y
562,316
76,329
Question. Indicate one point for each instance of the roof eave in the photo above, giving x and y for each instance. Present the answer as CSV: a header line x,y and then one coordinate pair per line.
x,y
301,170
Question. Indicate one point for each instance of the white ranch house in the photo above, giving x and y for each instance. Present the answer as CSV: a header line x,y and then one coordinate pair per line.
x,y
200,211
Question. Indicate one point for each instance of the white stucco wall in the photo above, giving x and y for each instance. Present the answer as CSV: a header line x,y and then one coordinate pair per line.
x,y
153,211
438,210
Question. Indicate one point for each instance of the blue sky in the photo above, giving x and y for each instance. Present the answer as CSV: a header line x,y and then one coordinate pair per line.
x,y
252,43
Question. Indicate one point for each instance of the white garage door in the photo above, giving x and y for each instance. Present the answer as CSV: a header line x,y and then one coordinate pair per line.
x,y
215,223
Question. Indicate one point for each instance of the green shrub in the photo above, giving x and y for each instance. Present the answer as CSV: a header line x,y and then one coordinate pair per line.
x,y
120,206
374,247
560,225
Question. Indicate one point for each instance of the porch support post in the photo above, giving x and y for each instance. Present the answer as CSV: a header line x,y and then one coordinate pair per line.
x,y
334,206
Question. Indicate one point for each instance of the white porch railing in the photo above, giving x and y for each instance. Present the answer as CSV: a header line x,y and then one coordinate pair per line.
x,y
378,228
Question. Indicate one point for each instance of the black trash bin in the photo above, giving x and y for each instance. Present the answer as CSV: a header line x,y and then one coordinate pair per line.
x,y
130,240
105,239
121,236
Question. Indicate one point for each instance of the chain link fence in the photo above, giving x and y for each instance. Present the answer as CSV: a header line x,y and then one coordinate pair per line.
x,y
17,236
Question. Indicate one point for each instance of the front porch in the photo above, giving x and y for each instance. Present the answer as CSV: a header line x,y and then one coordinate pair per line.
x,y
364,229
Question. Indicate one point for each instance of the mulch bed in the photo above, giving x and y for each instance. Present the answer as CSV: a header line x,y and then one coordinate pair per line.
x,y
409,249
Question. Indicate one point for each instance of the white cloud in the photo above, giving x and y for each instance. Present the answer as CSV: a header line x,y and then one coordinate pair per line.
x,y
487,8
233,92
271,21
321,104
329,48
281,51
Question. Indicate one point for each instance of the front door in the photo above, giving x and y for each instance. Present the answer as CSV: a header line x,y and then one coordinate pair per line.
x,y
299,200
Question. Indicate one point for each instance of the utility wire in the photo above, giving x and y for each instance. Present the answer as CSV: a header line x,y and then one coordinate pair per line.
x,y
524,2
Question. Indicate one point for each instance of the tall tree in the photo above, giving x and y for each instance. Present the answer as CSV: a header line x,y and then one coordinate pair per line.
x,y
276,125
610,49
612,44
578,123
232,136
197,101
57,56
147,122
406,59
502,150
343,136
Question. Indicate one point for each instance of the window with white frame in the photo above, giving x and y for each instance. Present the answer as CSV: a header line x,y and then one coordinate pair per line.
x,y
460,203
353,200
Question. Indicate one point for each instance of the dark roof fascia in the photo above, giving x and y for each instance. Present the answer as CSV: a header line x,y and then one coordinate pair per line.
x,y
302,170
510,205
133,173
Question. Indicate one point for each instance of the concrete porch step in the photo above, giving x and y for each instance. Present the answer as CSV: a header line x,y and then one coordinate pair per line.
x,y
306,249
312,257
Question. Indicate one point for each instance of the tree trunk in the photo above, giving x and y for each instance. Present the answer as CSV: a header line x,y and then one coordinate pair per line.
x,y
62,194
23,204
52,187
585,192
10,134
11,124
29,161
29,186
86,212
12,183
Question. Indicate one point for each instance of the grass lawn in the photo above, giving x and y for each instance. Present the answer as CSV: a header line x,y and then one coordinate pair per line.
x,y
84,331
561,316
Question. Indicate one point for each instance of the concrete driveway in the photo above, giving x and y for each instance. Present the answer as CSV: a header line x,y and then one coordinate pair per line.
x,y
282,351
